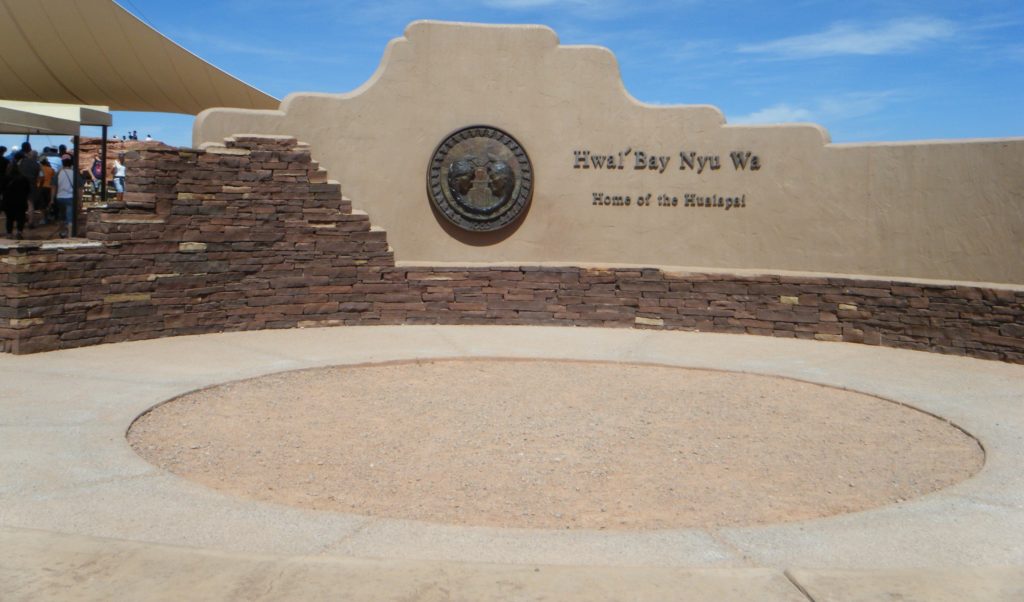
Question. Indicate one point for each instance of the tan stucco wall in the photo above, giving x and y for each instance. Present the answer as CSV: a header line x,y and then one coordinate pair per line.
x,y
945,210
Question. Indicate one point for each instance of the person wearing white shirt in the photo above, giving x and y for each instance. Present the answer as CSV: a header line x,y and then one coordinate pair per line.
x,y
119,174
66,195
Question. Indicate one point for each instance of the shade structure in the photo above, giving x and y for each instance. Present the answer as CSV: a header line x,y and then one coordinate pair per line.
x,y
13,121
93,52
19,117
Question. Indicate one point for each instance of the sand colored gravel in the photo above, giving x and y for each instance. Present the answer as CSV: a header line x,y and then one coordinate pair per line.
x,y
558,445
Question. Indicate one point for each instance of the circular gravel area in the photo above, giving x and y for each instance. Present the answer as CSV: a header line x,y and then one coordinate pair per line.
x,y
554,444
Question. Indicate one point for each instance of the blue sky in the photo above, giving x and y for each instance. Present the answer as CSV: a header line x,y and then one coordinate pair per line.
x,y
871,70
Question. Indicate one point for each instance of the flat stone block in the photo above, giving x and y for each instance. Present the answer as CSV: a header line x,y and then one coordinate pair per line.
x,y
191,247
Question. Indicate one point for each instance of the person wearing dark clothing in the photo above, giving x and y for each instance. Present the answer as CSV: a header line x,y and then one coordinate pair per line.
x,y
16,194
4,164
28,166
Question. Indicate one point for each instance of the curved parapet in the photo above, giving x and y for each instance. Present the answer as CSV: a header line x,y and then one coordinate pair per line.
x,y
620,181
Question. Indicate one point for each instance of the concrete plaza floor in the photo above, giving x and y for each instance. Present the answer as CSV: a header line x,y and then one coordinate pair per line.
x,y
83,517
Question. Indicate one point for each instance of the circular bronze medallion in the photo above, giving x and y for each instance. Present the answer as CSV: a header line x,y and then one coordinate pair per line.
x,y
480,179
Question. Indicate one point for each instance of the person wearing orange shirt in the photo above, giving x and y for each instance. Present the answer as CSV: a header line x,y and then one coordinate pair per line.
x,y
44,193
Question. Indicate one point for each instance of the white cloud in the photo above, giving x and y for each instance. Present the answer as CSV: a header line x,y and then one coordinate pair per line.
x,y
690,49
826,109
519,3
588,9
526,4
779,113
221,44
897,36
856,104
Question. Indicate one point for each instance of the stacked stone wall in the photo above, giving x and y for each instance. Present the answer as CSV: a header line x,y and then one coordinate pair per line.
x,y
982,322
246,236
251,235
7,310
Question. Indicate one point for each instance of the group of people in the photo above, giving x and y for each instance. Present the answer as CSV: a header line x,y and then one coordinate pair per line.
x,y
35,189
30,185
94,176
134,135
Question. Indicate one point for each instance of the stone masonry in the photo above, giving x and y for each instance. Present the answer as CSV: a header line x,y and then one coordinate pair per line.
x,y
251,235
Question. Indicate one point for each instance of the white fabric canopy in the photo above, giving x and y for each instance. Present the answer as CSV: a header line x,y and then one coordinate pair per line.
x,y
13,121
93,52
19,117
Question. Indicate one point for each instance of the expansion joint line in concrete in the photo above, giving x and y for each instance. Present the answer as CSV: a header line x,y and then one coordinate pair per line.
x,y
362,526
57,492
984,501
630,352
454,342
789,576
731,547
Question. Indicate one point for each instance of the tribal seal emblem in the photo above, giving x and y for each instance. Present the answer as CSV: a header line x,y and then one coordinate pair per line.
x,y
480,179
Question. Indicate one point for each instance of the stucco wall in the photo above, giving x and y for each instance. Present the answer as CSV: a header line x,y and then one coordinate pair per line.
x,y
945,210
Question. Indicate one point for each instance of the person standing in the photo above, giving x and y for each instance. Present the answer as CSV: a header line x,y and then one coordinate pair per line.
x,y
119,174
28,167
66,196
97,177
4,165
44,192
16,194
87,183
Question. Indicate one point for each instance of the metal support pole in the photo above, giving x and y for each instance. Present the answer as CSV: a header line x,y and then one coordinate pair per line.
x,y
77,202
103,167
